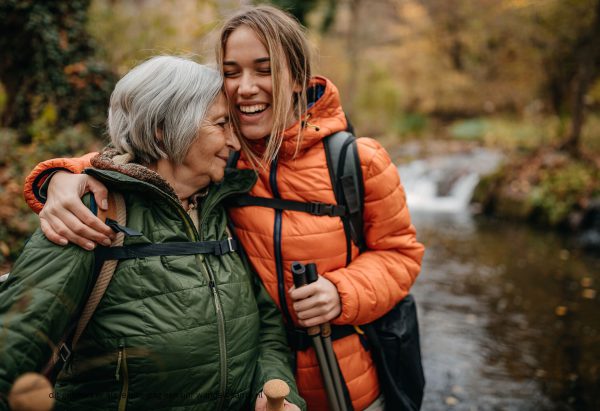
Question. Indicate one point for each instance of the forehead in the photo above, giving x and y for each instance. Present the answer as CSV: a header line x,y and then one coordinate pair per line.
x,y
243,42
218,107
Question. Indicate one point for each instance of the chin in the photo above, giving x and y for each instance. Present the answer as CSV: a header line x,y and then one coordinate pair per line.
x,y
218,178
254,134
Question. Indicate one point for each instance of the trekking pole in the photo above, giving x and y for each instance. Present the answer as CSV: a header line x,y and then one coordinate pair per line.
x,y
275,390
299,274
31,391
336,374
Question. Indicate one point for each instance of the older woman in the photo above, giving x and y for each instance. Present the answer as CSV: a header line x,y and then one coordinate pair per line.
x,y
173,331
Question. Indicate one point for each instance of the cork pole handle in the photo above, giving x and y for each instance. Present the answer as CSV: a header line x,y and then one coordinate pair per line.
x,y
276,391
31,392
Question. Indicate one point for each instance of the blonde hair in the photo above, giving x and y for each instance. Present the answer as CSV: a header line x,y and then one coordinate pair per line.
x,y
286,41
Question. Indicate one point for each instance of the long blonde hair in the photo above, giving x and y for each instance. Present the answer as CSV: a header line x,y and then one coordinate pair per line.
x,y
286,41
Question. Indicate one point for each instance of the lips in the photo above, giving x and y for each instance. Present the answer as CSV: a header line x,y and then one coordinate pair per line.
x,y
252,109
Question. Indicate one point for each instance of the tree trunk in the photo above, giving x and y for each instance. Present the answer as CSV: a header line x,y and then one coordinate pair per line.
x,y
353,51
588,62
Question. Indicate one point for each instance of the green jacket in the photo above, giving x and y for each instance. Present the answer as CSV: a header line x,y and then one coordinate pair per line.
x,y
163,337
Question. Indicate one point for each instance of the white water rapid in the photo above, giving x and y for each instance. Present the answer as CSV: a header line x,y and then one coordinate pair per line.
x,y
445,184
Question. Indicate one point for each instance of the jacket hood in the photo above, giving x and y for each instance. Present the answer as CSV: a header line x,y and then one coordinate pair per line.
x,y
324,116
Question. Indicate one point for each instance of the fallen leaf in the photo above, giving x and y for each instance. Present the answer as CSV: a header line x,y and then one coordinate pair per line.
x,y
589,293
560,310
451,400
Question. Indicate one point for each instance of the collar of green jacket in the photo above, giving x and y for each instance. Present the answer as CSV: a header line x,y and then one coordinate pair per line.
x,y
138,178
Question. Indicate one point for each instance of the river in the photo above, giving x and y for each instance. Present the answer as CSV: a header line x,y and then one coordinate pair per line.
x,y
509,314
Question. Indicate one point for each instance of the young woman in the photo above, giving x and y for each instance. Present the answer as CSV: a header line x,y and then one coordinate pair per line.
x,y
185,332
282,115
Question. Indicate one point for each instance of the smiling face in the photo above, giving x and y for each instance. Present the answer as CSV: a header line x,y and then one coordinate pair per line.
x,y
207,156
265,58
248,82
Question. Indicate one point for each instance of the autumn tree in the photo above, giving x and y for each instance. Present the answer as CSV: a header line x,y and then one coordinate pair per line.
x,y
48,67
570,42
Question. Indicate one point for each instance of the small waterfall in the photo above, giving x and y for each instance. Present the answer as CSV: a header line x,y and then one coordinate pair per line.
x,y
445,184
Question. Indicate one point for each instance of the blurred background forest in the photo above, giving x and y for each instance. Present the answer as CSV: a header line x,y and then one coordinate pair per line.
x,y
490,106
520,75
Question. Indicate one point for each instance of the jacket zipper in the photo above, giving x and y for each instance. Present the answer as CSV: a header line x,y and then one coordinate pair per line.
x,y
277,246
122,366
218,309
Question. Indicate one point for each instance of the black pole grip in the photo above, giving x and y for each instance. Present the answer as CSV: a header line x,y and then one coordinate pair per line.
x,y
299,274
311,273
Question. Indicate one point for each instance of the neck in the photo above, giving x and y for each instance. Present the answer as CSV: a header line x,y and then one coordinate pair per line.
x,y
185,182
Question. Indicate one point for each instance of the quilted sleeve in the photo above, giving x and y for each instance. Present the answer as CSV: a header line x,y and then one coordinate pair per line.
x,y
45,289
381,276
35,179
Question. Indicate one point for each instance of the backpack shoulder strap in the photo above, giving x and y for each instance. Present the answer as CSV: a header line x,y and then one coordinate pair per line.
x,y
345,172
117,212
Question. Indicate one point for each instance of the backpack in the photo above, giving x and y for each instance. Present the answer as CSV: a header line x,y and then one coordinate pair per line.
x,y
393,339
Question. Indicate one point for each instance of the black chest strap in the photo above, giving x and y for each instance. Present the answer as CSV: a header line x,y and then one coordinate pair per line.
x,y
163,249
314,208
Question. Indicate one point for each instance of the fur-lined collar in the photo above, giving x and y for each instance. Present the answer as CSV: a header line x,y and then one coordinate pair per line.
x,y
111,159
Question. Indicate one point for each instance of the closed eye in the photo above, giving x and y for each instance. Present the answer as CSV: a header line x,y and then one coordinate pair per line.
x,y
223,123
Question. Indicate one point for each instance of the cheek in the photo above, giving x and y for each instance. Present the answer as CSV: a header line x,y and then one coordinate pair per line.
x,y
230,86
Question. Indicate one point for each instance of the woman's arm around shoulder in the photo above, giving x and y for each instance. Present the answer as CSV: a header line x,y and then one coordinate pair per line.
x,y
381,276
34,181
64,218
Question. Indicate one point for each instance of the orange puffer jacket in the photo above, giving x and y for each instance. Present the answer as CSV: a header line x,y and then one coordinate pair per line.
x,y
375,280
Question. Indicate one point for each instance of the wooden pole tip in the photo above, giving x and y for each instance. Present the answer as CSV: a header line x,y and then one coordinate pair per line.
x,y
31,392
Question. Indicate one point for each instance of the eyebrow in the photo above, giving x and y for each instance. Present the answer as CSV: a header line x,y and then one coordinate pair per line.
x,y
257,61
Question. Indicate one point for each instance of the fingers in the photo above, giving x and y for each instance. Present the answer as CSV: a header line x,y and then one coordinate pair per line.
x,y
316,303
85,223
76,223
51,234
318,320
100,192
261,402
289,406
65,217
315,311
55,225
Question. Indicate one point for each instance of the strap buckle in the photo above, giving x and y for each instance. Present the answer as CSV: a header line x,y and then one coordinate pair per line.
x,y
226,246
64,352
321,209
331,210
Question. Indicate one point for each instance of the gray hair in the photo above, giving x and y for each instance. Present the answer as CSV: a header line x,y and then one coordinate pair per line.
x,y
157,108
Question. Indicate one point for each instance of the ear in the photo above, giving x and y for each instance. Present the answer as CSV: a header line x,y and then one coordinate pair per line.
x,y
159,135
297,88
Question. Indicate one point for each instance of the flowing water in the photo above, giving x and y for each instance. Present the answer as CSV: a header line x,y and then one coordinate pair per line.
x,y
509,314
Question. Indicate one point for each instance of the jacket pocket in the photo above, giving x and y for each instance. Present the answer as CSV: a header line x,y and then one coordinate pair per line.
x,y
122,375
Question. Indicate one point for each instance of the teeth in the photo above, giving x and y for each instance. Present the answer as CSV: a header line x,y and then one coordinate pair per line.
x,y
253,109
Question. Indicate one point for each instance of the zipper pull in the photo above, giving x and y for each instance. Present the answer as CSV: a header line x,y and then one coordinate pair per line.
x,y
119,359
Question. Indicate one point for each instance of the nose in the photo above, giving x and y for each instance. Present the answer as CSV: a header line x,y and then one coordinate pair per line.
x,y
247,86
232,141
